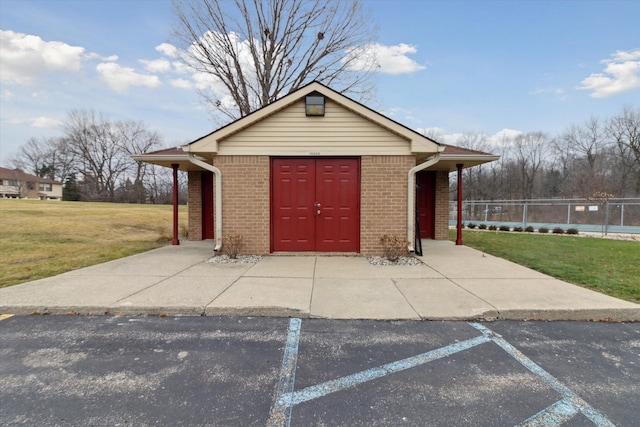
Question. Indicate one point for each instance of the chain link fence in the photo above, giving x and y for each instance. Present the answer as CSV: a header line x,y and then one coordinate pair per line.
x,y
606,216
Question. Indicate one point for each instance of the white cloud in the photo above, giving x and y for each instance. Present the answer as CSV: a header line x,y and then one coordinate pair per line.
x,y
206,81
168,50
621,74
26,57
111,58
397,111
181,68
7,95
451,138
157,65
384,59
15,121
559,93
503,137
432,132
46,123
196,79
181,83
121,78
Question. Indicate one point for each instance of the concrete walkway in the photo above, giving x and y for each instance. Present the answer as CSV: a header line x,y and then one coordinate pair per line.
x,y
454,283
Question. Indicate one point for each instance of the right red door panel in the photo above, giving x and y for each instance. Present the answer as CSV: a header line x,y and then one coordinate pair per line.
x,y
338,192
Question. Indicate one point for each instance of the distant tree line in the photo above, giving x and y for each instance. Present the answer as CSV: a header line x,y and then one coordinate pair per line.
x,y
92,160
595,158
598,157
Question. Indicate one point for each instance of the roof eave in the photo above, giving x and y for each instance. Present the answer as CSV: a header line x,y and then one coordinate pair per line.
x,y
167,160
450,161
470,157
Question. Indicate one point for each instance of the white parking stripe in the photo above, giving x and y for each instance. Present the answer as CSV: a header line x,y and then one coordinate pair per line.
x,y
573,401
280,414
553,415
286,398
349,381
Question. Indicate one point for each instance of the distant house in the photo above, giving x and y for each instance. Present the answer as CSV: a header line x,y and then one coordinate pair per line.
x,y
316,171
16,184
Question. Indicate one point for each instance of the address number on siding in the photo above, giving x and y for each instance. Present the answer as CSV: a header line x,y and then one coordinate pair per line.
x,y
314,153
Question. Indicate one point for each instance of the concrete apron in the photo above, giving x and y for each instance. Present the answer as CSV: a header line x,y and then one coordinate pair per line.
x,y
454,283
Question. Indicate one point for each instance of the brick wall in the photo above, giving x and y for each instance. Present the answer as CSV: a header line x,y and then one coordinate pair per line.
x,y
194,200
442,206
383,208
383,201
245,200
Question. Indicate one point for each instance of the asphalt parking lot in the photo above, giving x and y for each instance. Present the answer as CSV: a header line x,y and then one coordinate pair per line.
x,y
231,371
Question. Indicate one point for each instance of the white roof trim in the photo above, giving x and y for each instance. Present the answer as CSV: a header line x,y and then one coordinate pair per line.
x,y
462,158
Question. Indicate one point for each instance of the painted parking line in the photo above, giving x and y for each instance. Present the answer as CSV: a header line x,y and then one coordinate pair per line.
x,y
570,403
5,316
350,381
280,414
554,415
286,398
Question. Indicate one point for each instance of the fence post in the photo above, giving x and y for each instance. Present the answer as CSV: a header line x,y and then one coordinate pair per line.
x,y
621,214
459,224
569,213
606,217
486,212
524,215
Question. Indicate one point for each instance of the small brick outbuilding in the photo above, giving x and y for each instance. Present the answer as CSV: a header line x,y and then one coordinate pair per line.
x,y
316,171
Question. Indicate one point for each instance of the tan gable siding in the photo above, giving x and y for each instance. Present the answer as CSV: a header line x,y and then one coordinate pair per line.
x,y
339,133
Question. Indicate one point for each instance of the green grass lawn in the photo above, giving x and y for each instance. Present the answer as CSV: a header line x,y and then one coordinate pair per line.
x,y
43,238
608,266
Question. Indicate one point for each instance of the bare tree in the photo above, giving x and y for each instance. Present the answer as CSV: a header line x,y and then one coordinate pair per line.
x,y
134,138
530,154
260,50
435,134
94,141
585,146
501,182
624,130
158,183
45,157
586,141
33,155
475,182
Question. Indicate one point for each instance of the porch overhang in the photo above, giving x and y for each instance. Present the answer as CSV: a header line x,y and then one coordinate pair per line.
x,y
450,162
453,156
168,158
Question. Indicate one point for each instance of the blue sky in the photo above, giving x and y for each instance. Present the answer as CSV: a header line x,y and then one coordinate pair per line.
x,y
450,66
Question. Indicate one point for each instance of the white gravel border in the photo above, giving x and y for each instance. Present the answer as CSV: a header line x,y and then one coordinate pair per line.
x,y
241,259
403,260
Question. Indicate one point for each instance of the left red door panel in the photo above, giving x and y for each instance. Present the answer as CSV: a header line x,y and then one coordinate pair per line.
x,y
293,193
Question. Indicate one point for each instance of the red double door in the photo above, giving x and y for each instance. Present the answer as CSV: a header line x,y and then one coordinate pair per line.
x,y
315,204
